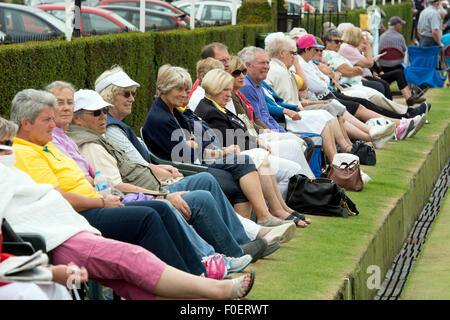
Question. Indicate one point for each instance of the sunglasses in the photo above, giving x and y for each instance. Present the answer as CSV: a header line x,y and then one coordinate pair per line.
x,y
337,41
293,52
318,50
127,94
237,73
8,143
97,113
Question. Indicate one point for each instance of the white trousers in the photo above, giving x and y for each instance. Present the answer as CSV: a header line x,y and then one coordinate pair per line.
x,y
32,291
376,97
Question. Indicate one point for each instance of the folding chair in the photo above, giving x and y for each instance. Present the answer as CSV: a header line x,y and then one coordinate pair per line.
x,y
392,53
424,67
186,169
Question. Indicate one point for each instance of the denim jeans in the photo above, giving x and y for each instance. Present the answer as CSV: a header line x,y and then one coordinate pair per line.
x,y
153,226
217,203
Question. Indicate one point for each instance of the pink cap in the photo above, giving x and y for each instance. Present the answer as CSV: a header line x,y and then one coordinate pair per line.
x,y
308,41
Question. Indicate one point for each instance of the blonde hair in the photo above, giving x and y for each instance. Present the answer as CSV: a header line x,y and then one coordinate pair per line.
x,y
352,36
215,81
279,44
206,65
236,63
110,92
171,77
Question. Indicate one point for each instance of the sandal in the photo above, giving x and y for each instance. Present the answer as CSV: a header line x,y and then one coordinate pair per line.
x,y
240,288
301,217
296,221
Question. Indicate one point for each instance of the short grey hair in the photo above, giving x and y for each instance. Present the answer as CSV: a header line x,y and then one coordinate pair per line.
x,y
171,77
279,44
58,85
329,34
8,129
29,103
248,53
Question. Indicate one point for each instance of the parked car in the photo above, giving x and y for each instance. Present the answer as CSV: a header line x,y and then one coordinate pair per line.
x,y
154,20
23,23
93,20
150,4
208,11
34,3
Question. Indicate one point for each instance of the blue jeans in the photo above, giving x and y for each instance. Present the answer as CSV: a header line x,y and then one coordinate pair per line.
x,y
217,202
153,226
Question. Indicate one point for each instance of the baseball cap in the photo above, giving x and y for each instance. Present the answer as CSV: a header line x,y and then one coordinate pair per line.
x,y
297,32
120,79
395,20
308,41
88,100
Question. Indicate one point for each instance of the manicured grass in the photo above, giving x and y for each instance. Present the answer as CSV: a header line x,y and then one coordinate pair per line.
x,y
430,277
314,263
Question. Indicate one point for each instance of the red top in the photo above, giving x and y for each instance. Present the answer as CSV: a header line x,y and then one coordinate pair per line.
x,y
3,257
249,106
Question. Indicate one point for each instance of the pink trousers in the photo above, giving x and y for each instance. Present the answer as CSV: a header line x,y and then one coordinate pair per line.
x,y
130,270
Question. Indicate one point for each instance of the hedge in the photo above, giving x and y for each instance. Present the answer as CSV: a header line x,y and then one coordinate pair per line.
x,y
81,61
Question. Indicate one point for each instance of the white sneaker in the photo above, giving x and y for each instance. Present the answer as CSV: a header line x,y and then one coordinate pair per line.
x,y
281,234
378,122
378,132
234,265
419,121
378,144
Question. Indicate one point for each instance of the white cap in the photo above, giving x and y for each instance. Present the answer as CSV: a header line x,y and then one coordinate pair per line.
x,y
88,100
297,32
120,79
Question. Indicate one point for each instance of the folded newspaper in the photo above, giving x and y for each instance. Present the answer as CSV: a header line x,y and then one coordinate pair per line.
x,y
26,268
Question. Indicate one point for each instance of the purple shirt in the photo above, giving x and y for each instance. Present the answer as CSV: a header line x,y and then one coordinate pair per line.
x,y
255,95
70,149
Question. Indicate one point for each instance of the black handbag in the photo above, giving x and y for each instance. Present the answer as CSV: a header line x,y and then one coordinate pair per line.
x,y
365,153
319,196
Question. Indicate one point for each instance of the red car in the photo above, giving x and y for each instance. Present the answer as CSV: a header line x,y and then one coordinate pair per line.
x,y
93,20
150,4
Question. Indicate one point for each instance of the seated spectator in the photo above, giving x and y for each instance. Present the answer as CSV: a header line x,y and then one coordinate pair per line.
x,y
282,53
130,270
165,118
392,38
218,85
218,51
399,114
353,48
63,92
137,223
198,195
231,177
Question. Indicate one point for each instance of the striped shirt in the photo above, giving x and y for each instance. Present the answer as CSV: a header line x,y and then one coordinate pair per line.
x,y
392,38
429,20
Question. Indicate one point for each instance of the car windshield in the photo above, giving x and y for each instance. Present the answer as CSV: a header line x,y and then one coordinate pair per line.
x,y
53,20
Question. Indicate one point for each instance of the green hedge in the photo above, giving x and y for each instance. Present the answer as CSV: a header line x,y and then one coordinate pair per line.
x,y
81,61
259,12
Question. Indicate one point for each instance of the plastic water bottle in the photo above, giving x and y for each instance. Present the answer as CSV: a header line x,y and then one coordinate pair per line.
x,y
102,184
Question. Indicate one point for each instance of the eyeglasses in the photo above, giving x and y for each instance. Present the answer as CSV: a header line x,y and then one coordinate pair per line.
x,y
8,143
98,112
127,94
338,41
293,52
237,73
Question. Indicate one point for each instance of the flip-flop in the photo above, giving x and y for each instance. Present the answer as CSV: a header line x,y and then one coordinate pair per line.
x,y
238,291
296,220
301,216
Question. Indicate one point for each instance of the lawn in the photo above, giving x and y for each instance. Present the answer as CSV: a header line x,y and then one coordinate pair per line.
x,y
314,264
